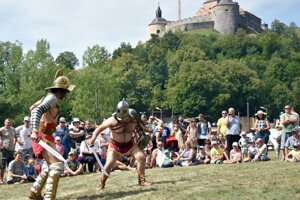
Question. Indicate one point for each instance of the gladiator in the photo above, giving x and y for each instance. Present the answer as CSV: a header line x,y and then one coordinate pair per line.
x,y
44,114
124,124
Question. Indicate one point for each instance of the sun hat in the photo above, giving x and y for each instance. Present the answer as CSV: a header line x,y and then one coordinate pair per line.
x,y
71,153
57,138
235,144
61,82
260,112
296,129
214,142
75,120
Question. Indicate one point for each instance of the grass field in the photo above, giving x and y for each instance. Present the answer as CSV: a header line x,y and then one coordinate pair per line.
x,y
262,180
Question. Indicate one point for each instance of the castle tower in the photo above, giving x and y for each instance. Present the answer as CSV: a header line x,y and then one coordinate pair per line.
x,y
226,16
158,25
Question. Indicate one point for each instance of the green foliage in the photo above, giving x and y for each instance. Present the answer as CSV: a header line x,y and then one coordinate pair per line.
x,y
187,73
67,59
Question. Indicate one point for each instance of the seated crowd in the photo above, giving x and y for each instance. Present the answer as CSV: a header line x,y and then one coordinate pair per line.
x,y
182,143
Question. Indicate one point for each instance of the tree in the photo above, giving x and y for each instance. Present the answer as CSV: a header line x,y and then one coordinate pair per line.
x,y
67,59
95,56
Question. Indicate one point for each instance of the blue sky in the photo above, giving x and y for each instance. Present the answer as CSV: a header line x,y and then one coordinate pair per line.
x,y
73,25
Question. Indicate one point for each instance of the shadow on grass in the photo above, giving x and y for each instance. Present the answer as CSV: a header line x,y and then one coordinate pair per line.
x,y
115,195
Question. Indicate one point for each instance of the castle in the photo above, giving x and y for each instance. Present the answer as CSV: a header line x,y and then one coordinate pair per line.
x,y
224,16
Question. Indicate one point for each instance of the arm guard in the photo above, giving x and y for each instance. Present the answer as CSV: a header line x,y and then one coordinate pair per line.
x,y
37,112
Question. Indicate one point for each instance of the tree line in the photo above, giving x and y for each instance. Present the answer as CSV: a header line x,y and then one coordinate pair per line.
x,y
182,73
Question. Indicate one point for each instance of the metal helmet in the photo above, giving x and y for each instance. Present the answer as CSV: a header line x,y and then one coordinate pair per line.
x,y
61,82
122,109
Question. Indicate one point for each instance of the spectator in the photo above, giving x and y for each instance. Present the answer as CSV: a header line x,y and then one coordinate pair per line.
x,y
63,132
103,145
187,157
275,137
74,167
166,160
262,126
202,156
182,124
243,143
86,155
235,154
89,127
216,153
192,133
8,137
176,132
234,126
288,120
207,149
252,151
24,142
16,170
295,153
77,135
262,151
58,145
157,155
61,129
221,126
294,139
165,133
204,129
30,170
157,135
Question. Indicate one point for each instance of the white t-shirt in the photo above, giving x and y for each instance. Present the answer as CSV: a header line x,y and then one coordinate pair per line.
x,y
85,147
24,136
159,158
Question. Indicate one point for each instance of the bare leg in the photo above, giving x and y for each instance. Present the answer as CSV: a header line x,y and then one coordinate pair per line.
x,y
2,175
110,162
140,157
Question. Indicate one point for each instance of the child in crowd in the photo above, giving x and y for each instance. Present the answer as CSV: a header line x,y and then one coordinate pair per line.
x,y
295,153
58,145
216,153
243,142
252,151
74,167
235,154
38,165
262,151
30,170
202,156
167,161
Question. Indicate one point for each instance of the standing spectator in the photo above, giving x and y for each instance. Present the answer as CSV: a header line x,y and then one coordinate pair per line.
x,y
89,127
288,120
176,132
204,129
16,170
222,128
58,145
182,124
8,136
243,143
24,142
262,126
294,139
77,135
30,170
192,133
234,126
61,129
74,167
165,132
63,132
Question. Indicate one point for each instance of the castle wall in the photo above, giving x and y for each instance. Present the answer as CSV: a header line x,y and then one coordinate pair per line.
x,y
226,18
156,29
250,22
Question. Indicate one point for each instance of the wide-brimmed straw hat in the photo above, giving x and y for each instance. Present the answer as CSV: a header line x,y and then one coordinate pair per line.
x,y
260,112
61,82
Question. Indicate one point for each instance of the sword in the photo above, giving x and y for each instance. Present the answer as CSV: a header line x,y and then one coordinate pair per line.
x,y
53,152
99,162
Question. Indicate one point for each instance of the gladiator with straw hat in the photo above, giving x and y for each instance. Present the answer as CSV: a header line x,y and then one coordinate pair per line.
x,y
44,114
124,125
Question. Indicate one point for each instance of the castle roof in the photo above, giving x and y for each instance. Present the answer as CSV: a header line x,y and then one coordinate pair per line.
x,y
158,19
208,1
225,2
